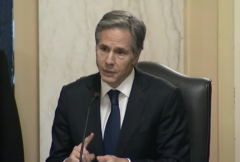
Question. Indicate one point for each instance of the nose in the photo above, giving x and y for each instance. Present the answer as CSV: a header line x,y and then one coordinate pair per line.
x,y
110,58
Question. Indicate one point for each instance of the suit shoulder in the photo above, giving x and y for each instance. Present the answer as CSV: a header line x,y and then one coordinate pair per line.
x,y
80,83
159,82
160,87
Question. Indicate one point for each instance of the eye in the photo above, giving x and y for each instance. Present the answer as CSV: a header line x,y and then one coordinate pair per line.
x,y
104,49
120,52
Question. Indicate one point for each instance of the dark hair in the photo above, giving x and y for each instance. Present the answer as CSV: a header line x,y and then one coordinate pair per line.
x,y
124,20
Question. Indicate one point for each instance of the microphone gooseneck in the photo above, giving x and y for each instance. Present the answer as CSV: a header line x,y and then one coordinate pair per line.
x,y
96,95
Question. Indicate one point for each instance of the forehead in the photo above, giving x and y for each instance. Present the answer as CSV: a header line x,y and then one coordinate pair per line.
x,y
116,36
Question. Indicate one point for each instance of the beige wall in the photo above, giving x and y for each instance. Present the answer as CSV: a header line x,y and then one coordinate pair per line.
x,y
226,80
26,73
237,77
208,53
201,50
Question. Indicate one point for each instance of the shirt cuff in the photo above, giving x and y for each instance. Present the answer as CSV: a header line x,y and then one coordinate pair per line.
x,y
129,160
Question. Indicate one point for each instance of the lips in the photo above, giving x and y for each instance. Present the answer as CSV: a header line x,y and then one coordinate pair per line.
x,y
109,72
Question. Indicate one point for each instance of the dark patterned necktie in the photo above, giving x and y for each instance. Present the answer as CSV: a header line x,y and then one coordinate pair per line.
x,y
112,128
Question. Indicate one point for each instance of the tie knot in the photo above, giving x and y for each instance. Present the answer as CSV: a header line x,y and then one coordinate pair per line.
x,y
113,95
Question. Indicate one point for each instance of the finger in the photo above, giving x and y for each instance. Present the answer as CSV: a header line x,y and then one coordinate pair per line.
x,y
76,154
85,151
103,158
73,157
77,148
83,158
90,157
88,140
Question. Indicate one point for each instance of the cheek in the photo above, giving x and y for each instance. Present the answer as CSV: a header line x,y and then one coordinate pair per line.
x,y
124,66
99,59
99,64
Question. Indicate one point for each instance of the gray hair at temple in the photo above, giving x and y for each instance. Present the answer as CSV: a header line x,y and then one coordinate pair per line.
x,y
123,20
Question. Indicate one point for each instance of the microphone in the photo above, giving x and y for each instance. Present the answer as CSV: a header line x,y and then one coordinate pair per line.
x,y
96,95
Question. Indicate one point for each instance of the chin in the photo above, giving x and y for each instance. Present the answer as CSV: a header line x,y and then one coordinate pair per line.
x,y
107,79
111,82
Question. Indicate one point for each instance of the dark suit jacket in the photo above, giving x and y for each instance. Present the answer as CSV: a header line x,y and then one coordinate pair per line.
x,y
11,145
154,126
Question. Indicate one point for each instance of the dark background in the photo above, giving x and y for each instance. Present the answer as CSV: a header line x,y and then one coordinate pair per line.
x,y
6,33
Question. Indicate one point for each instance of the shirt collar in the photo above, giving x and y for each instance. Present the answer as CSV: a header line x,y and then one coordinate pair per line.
x,y
125,87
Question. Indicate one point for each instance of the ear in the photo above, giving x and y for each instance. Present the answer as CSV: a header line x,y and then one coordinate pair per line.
x,y
136,58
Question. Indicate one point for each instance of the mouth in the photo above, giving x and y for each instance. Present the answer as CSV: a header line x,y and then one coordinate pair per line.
x,y
108,71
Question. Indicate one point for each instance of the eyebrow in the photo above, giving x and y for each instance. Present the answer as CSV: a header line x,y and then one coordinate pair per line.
x,y
103,45
117,48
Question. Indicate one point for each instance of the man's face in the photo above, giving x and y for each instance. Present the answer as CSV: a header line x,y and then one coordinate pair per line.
x,y
115,59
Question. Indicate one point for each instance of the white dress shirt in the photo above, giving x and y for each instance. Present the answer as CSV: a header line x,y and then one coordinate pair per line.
x,y
105,104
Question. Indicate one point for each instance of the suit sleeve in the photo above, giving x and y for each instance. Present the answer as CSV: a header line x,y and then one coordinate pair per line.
x,y
172,135
61,142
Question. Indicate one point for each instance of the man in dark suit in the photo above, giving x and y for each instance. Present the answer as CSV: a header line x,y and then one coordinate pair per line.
x,y
137,117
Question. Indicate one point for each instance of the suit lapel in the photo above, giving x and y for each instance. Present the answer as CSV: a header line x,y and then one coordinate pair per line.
x,y
94,122
135,108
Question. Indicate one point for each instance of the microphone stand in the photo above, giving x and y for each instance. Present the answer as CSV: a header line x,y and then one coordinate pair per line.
x,y
96,94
